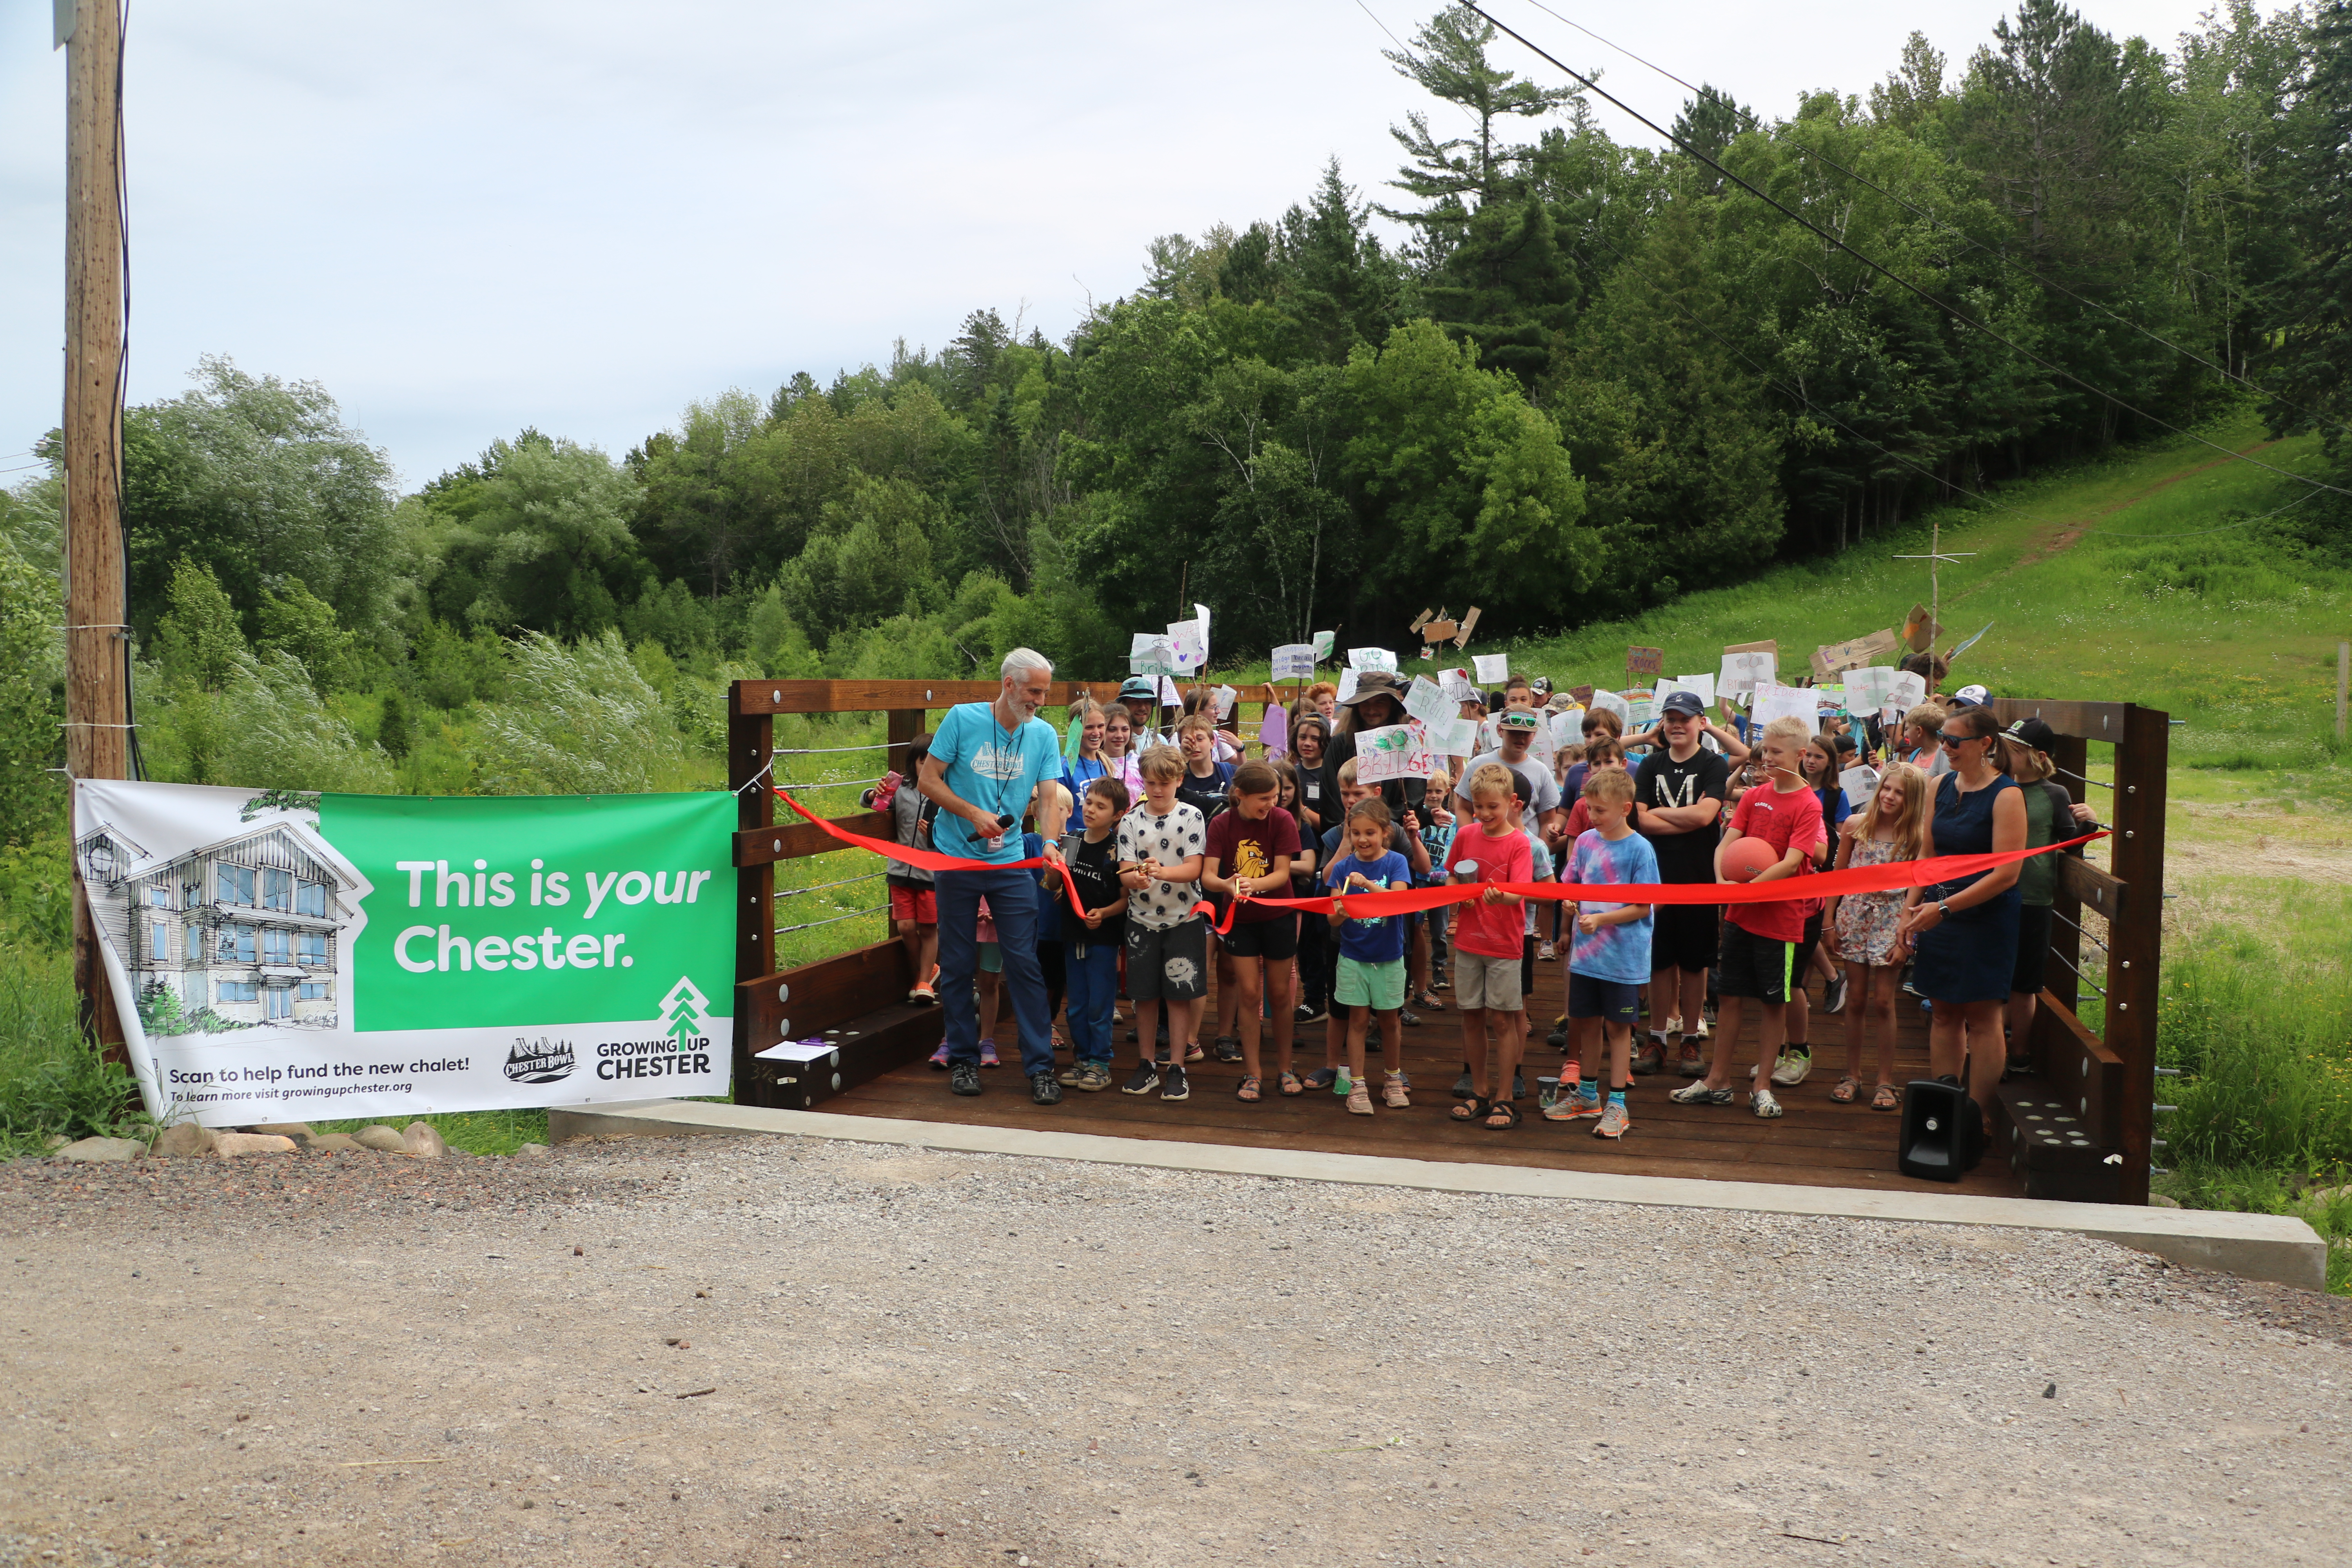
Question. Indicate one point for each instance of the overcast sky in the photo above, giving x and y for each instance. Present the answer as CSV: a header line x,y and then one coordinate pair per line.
x,y
467,218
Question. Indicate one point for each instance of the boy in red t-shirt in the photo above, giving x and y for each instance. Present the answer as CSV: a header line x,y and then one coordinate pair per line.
x,y
1760,939
1488,942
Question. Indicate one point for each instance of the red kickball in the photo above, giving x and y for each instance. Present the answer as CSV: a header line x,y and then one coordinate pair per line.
x,y
1745,857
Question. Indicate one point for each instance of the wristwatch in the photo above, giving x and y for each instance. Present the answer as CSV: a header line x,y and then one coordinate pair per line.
x,y
1943,908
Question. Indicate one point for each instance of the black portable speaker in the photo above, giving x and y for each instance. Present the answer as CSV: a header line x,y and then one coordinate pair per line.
x,y
1942,1135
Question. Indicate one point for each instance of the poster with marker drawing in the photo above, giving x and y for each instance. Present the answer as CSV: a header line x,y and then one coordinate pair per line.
x,y
1293,661
1494,669
1369,658
1392,752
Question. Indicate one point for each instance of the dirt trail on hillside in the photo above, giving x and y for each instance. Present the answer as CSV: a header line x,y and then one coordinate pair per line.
x,y
2066,537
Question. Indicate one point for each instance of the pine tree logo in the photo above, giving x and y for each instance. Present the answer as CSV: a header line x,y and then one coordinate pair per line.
x,y
682,1013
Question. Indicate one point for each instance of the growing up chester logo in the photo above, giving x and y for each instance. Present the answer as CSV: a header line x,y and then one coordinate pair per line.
x,y
682,1051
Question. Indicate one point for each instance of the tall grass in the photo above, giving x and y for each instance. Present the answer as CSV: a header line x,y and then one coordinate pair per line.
x,y
52,1082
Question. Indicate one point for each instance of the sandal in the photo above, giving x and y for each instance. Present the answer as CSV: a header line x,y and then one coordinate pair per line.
x,y
1248,1090
1473,1109
1428,1004
1288,1083
1847,1088
1885,1099
1507,1110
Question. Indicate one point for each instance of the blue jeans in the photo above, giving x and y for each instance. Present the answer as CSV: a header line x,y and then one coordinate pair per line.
x,y
1092,969
1012,902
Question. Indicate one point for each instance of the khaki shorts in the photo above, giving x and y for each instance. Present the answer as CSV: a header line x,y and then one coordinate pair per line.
x,y
1482,982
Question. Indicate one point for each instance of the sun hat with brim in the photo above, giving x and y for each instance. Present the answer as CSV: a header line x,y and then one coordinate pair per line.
x,y
2034,733
1138,686
1517,719
1560,702
1373,683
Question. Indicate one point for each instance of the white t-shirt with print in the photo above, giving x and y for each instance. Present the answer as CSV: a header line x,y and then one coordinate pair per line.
x,y
1179,835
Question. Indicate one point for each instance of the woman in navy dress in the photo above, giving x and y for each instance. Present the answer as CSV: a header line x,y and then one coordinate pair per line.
x,y
1963,934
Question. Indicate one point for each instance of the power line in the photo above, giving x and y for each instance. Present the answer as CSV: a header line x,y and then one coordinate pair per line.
x,y
1953,310
1754,123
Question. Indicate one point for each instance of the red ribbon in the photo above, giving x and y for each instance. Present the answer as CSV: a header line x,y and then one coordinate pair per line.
x,y
1895,875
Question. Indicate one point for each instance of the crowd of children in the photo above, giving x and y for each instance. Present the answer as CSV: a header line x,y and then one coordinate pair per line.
x,y
1168,832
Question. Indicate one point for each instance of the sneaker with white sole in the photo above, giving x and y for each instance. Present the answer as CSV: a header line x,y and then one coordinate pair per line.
x,y
1394,1091
1833,995
1701,1093
1175,1086
1793,1068
1146,1079
1615,1121
1767,1104
939,1058
1359,1099
1546,952
1691,1062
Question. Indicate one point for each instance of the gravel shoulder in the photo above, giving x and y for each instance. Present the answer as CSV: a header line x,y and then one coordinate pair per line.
x,y
888,1355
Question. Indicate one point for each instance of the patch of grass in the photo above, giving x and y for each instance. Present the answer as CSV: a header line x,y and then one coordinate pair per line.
x,y
2256,1189
53,1083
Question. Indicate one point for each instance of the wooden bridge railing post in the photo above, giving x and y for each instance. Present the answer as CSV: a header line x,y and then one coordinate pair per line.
x,y
751,750
2135,936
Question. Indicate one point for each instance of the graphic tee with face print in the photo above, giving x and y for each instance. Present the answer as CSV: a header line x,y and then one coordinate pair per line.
x,y
1178,835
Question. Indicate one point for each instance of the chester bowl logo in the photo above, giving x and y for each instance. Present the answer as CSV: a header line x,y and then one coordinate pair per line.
x,y
544,1062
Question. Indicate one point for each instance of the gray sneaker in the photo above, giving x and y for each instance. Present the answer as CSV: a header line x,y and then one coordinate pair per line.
x,y
1792,1068
1093,1077
1614,1122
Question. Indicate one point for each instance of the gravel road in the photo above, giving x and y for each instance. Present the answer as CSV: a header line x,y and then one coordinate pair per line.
x,y
893,1356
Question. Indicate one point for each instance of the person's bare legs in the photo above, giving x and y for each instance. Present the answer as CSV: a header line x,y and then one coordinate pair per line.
x,y
1621,1057
1474,1049
1359,1022
1184,1026
1727,1019
926,952
1857,1015
1885,989
1147,1025
1588,1040
913,943
1229,1001
1951,1027
1280,983
1417,971
1243,996
991,991
1393,1041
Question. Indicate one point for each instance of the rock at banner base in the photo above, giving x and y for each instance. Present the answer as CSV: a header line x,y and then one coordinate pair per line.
x,y
379,1137
235,1145
531,1150
184,1139
2159,1201
55,1141
423,1142
295,1130
332,1143
94,1150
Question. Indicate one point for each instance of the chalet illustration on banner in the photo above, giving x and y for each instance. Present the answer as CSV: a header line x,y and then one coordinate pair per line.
x,y
242,931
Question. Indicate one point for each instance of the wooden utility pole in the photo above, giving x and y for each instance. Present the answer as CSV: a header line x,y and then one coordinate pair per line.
x,y
98,691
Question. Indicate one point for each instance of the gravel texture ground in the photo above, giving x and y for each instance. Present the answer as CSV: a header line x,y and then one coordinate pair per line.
x,y
765,1351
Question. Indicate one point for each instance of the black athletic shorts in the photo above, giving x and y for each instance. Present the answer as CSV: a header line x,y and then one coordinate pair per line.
x,y
1684,937
1803,957
1271,940
1754,965
1613,1001
2032,949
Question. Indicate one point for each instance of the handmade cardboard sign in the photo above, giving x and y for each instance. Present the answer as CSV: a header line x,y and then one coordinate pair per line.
x,y
1451,737
1151,652
1971,642
1837,658
1919,633
1191,642
1747,669
1907,690
1583,694
1641,708
1609,701
1226,697
1860,784
1645,661
1424,700
1361,658
1324,642
1168,696
1392,752
1293,661
1702,685
1457,685
1787,702
1346,683
1274,732
1866,689
1568,727
1493,668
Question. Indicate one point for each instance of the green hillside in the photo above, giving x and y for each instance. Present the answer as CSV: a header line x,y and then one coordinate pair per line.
x,y
2122,580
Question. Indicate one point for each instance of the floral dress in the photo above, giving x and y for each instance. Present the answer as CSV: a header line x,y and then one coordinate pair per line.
x,y
1867,921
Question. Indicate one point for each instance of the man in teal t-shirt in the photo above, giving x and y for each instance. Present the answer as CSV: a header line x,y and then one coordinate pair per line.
x,y
986,761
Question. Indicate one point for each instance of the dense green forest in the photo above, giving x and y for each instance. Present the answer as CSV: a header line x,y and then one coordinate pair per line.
x,y
1589,377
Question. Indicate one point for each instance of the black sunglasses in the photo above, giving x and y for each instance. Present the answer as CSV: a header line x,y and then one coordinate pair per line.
x,y
1951,739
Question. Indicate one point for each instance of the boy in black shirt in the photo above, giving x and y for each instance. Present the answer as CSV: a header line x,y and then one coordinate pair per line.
x,y
1680,791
